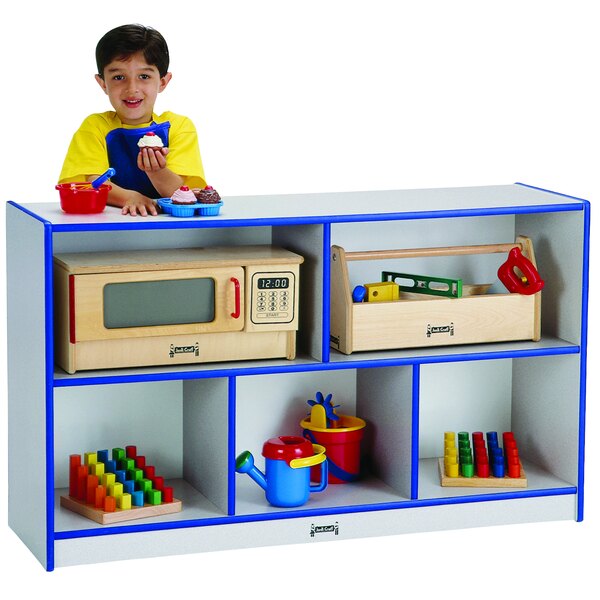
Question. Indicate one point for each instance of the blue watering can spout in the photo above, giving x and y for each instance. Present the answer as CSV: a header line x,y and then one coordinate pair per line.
x,y
244,463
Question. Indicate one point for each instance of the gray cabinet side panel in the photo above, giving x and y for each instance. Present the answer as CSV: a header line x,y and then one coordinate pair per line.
x,y
26,385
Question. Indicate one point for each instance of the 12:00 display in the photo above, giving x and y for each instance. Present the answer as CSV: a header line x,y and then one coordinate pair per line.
x,y
273,283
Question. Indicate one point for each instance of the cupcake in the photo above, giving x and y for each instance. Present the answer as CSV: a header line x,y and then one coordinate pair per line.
x,y
207,196
183,196
150,140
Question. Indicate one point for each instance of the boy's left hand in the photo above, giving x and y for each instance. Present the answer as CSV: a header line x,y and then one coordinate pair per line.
x,y
152,160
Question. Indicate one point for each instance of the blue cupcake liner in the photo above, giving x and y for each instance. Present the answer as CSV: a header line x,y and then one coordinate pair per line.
x,y
189,210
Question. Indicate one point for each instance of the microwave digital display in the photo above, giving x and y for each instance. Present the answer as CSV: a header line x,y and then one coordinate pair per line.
x,y
168,302
273,283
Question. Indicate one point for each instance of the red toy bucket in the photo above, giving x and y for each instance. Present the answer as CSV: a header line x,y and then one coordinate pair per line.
x,y
342,447
82,198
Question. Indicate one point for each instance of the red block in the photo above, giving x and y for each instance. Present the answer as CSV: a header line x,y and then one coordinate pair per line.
x,y
167,494
140,462
74,462
514,468
82,473
130,451
90,488
483,470
158,483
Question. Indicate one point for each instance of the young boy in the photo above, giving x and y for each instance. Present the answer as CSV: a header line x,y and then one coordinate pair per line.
x,y
133,63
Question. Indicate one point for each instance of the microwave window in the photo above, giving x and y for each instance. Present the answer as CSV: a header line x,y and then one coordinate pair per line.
x,y
148,303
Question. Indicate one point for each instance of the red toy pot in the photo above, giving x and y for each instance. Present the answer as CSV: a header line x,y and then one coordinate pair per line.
x,y
82,198
342,447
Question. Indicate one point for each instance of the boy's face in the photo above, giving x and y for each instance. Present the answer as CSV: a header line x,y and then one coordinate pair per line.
x,y
132,86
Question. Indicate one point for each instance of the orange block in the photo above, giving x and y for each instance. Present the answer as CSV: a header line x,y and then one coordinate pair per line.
x,y
110,504
100,496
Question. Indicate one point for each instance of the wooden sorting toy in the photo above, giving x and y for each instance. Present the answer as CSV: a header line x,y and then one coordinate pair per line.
x,y
118,489
478,465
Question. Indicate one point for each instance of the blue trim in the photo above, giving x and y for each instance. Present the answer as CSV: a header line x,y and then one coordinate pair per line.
x,y
49,401
296,514
326,321
231,436
416,412
292,367
317,219
583,359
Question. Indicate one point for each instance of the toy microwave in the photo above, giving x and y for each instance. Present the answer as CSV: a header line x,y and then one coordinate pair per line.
x,y
163,307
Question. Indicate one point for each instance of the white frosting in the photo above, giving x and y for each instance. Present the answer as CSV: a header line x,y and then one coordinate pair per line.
x,y
183,196
150,141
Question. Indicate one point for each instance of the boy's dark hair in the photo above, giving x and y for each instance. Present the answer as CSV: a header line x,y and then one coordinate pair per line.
x,y
123,41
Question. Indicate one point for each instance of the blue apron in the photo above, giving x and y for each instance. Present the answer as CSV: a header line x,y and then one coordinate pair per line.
x,y
123,152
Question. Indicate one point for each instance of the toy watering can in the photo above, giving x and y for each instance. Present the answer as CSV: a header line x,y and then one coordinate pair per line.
x,y
288,460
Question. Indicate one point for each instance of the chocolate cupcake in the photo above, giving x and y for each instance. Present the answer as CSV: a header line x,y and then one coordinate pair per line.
x,y
207,196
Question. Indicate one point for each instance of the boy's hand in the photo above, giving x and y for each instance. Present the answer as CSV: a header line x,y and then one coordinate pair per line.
x,y
139,204
151,160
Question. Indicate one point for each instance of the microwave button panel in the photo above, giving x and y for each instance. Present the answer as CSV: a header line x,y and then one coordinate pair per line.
x,y
272,298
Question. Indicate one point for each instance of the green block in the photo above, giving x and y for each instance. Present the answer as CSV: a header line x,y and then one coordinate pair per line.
x,y
135,474
143,484
126,464
118,454
153,497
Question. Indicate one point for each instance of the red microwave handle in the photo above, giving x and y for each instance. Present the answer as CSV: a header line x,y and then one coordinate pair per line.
x,y
236,287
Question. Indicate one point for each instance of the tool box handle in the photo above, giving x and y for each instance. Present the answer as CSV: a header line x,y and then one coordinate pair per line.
x,y
422,252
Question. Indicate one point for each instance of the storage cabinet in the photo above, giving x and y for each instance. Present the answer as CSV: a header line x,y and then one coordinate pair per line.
x,y
193,420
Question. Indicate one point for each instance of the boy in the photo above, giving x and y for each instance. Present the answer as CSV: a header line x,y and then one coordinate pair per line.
x,y
133,63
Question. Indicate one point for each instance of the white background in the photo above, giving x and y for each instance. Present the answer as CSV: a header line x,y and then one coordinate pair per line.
x,y
332,96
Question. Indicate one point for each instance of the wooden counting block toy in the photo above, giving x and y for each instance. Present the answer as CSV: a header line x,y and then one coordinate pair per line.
x,y
480,466
101,492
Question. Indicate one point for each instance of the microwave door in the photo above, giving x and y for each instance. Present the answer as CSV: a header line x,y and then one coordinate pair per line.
x,y
121,305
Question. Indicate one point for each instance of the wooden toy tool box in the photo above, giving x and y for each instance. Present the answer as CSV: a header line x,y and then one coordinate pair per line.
x,y
418,320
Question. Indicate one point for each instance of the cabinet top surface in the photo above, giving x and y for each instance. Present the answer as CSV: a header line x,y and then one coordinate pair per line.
x,y
329,207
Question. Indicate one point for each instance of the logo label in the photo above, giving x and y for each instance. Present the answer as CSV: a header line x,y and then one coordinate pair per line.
x,y
173,350
433,329
319,529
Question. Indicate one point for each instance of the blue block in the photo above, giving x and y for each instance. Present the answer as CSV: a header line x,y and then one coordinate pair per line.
x,y
129,486
110,466
103,456
121,476
137,498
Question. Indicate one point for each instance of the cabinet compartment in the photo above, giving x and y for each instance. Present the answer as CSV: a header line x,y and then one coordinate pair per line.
x,y
557,238
268,406
535,398
180,426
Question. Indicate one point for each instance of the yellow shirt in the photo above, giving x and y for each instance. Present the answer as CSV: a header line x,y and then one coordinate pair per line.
x,y
88,155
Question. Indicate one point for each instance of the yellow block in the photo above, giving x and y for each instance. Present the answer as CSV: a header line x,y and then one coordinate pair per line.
x,y
97,469
108,479
90,458
384,291
115,489
124,501
452,470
